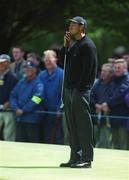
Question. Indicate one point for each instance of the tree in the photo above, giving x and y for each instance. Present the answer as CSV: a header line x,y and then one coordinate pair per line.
x,y
24,20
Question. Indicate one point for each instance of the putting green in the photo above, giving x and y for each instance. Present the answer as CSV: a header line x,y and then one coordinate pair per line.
x,y
27,161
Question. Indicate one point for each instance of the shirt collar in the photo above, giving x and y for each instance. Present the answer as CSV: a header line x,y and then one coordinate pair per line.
x,y
52,75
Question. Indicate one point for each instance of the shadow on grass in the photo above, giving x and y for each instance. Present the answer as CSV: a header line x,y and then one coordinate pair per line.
x,y
31,167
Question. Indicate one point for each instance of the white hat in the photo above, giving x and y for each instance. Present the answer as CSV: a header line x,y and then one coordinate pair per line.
x,y
4,58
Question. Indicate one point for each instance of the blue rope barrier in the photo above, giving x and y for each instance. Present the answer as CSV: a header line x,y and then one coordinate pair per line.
x,y
101,117
92,115
111,117
49,112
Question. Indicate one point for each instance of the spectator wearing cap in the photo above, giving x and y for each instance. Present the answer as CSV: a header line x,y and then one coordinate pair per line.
x,y
7,82
26,98
116,104
52,78
17,67
33,57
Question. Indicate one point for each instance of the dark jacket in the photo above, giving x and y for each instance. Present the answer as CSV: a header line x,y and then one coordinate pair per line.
x,y
127,102
99,95
81,64
6,85
116,101
18,69
100,91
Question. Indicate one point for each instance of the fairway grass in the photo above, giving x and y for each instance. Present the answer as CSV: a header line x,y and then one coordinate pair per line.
x,y
28,161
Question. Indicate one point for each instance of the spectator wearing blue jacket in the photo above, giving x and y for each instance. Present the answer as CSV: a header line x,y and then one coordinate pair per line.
x,y
127,102
52,78
26,98
99,94
117,106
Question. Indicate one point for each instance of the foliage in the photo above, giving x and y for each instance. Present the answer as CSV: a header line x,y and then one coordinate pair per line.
x,y
27,21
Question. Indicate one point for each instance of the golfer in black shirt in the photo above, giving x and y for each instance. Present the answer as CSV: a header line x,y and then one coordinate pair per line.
x,y
79,53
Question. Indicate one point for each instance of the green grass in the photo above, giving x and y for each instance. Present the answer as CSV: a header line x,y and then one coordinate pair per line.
x,y
27,161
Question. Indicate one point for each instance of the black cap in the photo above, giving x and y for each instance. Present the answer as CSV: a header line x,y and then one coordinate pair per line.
x,y
79,20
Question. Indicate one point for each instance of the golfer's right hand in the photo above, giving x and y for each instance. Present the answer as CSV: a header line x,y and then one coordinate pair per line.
x,y
67,39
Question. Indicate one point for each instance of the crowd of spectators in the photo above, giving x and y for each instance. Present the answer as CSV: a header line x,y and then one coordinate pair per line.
x,y
110,102
30,85
30,99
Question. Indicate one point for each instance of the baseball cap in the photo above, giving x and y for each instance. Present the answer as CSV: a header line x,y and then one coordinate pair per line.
x,y
79,20
31,65
4,58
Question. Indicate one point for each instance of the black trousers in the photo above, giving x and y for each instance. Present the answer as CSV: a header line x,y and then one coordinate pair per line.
x,y
77,111
27,132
